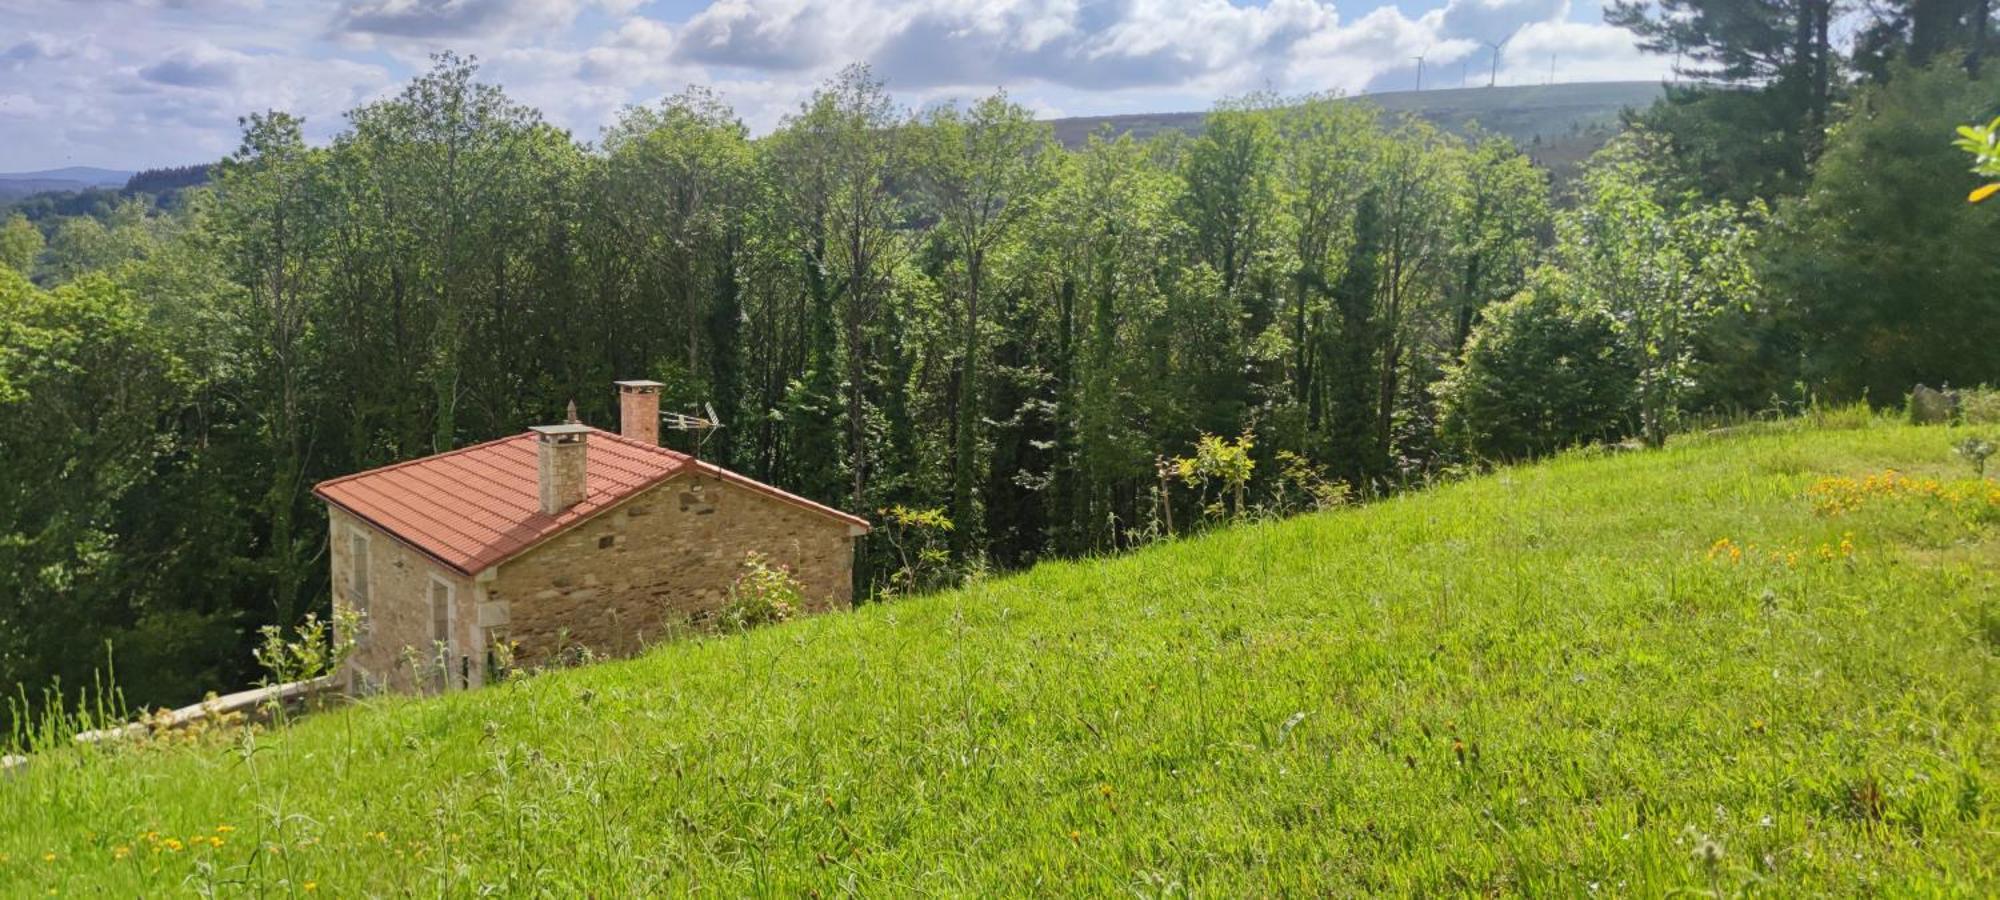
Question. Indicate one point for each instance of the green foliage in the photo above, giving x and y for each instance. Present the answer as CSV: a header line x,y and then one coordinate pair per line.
x,y
315,649
1219,462
917,537
1347,703
1983,142
1540,373
87,524
20,244
1726,143
1876,257
764,594
1660,268
1304,487
1979,405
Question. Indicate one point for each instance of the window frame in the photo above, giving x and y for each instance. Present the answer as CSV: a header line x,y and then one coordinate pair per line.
x,y
360,569
450,640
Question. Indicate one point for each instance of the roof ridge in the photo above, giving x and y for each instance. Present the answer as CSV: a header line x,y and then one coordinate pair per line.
x,y
669,452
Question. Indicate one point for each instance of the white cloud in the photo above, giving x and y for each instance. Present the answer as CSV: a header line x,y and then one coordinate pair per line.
x,y
1577,51
38,48
1492,21
201,65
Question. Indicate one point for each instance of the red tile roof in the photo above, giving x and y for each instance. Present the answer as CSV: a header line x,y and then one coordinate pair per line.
x,y
475,507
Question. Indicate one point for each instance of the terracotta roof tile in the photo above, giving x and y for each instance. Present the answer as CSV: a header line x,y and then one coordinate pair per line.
x,y
475,507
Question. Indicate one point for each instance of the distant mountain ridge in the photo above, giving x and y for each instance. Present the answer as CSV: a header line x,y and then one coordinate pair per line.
x,y
14,185
1559,124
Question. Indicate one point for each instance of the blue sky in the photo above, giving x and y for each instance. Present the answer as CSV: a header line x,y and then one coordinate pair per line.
x,y
135,83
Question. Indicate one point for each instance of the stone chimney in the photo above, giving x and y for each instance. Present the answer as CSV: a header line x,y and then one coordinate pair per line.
x,y
639,411
561,452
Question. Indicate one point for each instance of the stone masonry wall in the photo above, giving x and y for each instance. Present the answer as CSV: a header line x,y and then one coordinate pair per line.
x,y
398,608
648,567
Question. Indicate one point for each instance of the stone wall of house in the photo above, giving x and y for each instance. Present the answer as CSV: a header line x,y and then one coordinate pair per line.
x,y
658,564
398,624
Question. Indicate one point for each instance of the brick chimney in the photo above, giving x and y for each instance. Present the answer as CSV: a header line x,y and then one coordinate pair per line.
x,y
639,411
561,452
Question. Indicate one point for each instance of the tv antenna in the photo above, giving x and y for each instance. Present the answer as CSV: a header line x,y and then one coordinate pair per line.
x,y
702,427
1494,75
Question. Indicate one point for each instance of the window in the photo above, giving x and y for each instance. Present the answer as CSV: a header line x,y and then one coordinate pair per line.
x,y
441,622
357,570
441,597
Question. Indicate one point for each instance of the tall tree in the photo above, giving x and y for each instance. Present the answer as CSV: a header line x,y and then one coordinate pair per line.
x,y
678,178
1352,350
1661,267
1781,43
20,244
1881,260
981,170
1497,225
1228,203
268,224
445,154
1417,187
1327,153
839,162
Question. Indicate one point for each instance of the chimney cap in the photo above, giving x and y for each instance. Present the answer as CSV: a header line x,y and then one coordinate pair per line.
x,y
639,384
560,431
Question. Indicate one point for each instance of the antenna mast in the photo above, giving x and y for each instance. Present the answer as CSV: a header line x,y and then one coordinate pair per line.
x,y
702,427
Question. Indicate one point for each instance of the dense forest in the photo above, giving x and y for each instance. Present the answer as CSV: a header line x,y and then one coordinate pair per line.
x,y
1000,349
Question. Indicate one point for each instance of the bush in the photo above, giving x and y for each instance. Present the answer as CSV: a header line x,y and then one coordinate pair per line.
x,y
764,594
1979,406
1538,375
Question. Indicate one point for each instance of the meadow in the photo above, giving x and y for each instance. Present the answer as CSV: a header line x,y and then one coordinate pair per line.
x,y
1748,663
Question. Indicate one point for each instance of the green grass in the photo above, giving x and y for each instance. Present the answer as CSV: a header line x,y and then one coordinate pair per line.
x,y
1533,682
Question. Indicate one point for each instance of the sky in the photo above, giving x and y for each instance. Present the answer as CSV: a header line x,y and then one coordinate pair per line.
x,y
129,84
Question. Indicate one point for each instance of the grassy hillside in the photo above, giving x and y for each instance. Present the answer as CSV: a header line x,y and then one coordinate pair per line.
x,y
1707,668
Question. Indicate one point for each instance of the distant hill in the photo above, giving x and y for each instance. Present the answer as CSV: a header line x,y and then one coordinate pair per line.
x,y
14,185
173,178
1559,124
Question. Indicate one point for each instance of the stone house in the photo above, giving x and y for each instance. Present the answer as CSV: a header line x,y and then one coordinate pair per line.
x,y
559,538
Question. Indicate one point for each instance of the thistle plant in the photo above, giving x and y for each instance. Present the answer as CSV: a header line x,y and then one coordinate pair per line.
x,y
320,647
1975,451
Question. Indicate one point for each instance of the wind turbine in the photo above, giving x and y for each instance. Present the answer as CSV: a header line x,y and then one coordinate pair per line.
x,y
1420,67
1494,75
